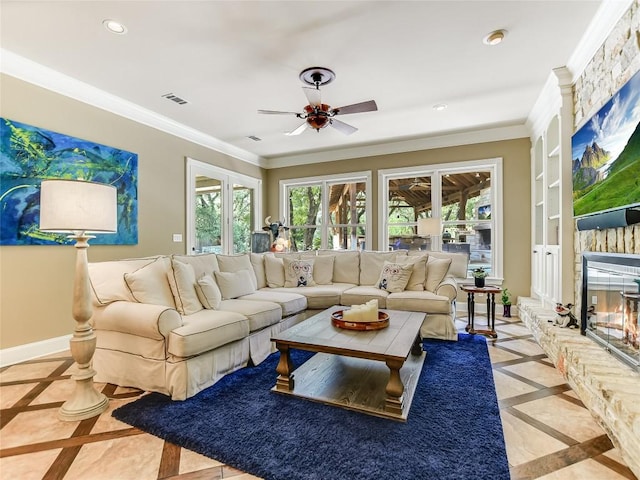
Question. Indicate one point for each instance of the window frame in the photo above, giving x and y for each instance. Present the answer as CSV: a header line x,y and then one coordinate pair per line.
x,y
436,172
325,182
227,178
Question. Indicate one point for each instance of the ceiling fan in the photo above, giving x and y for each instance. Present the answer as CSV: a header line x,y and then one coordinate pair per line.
x,y
416,183
318,115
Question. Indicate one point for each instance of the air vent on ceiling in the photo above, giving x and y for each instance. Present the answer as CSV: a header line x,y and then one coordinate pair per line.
x,y
175,98
254,138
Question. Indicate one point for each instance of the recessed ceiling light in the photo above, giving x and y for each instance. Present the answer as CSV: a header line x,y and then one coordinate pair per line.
x,y
495,37
114,27
438,107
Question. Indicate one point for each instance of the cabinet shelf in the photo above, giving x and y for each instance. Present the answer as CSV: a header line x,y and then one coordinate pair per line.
x,y
539,176
554,217
554,151
540,204
555,184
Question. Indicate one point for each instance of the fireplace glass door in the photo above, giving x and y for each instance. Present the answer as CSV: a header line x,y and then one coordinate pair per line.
x,y
610,297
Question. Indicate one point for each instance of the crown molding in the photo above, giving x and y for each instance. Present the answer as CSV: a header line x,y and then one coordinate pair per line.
x,y
549,100
37,74
427,143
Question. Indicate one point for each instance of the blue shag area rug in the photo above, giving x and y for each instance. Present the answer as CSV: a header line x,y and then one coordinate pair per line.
x,y
453,430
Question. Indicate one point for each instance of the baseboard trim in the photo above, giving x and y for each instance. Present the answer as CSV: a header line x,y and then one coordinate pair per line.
x,y
29,351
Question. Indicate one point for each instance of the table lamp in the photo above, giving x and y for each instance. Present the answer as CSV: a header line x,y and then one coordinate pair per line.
x,y
79,208
429,227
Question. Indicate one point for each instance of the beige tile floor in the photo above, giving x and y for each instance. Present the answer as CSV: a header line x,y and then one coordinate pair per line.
x,y
549,434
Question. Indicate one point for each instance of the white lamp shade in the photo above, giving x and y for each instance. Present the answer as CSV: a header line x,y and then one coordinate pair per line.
x,y
428,227
77,206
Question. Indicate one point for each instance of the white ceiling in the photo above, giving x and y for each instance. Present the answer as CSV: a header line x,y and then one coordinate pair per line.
x,y
230,58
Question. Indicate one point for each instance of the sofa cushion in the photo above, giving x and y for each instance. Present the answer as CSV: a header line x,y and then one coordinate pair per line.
x,y
150,284
235,284
274,271
459,262
208,292
202,264
322,268
205,331
419,302
107,279
346,266
418,275
371,266
257,262
362,294
182,280
260,314
436,271
298,273
235,263
289,302
320,296
394,276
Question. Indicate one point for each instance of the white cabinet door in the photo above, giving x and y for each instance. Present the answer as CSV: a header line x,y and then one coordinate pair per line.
x,y
552,274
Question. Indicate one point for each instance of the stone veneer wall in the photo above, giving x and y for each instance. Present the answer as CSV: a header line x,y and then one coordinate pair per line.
x,y
615,62
608,388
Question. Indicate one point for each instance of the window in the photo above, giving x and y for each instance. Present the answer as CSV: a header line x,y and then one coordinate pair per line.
x,y
222,209
327,212
465,195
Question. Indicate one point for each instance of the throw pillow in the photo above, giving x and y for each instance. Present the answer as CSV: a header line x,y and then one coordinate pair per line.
x,y
208,292
346,267
371,264
418,275
201,263
182,280
394,277
323,269
235,284
274,270
298,273
235,263
437,268
257,262
150,284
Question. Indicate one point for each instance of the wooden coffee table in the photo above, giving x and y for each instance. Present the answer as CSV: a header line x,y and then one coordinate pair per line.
x,y
375,372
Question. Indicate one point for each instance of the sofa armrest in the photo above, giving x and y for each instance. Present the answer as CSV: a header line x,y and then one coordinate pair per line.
x,y
141,319
447,288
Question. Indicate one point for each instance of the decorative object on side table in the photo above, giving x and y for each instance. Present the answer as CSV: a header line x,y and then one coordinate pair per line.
x,y
80,208
506,303
479,274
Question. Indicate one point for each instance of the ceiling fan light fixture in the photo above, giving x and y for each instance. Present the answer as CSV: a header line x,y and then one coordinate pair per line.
x,y
494,38
113,26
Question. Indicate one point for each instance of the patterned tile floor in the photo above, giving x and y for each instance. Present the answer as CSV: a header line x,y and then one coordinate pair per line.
x,y
548,433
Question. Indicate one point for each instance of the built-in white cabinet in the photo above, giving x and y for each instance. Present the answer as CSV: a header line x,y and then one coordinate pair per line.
x,y
552,212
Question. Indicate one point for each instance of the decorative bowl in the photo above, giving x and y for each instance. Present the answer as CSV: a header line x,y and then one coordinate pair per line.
x,y
382,322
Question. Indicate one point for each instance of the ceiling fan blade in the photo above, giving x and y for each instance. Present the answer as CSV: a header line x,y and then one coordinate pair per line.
x,y
298,130
369,106
343,127
313,96
277,112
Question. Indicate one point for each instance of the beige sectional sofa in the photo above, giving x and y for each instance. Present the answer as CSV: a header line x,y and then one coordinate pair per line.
x,y
177,324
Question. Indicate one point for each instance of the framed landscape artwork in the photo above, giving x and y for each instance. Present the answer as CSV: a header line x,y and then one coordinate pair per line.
x,y
606,155
29,155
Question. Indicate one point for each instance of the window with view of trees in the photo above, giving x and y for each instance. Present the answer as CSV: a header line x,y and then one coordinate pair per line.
x,y
463,195
327,213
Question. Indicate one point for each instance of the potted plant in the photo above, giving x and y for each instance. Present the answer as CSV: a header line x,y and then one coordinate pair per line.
x,y
479,274
506,303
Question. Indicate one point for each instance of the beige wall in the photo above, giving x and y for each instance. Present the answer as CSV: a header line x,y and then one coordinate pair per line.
x,y
36,281
516,156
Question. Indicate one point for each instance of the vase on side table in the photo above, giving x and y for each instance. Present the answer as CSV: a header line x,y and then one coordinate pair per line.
x,y
479,282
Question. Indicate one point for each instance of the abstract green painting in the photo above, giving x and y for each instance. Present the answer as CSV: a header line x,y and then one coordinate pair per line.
x,y
29,155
